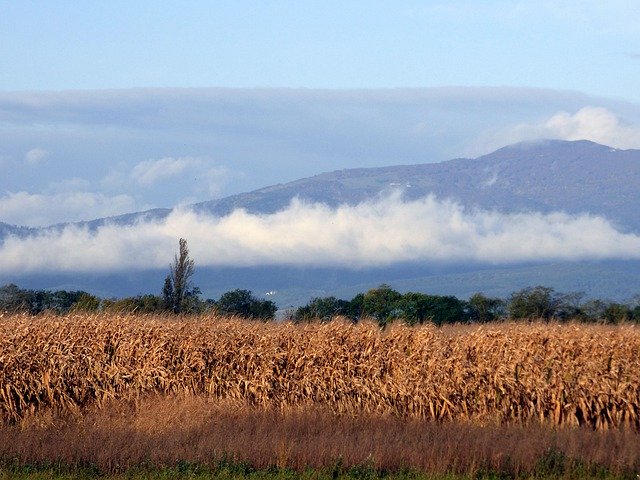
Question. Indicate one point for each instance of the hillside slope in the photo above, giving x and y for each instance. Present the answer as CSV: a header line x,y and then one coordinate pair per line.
x,y
575,177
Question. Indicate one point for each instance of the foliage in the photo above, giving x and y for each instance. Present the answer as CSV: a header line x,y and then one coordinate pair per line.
x,y
616,313
139,304
543,302
14,299
381,303
243,303
419,308
324,308
385,304
86,303
482,309
178,291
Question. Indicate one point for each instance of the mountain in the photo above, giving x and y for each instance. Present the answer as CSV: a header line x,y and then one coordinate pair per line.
x,y
553,175
574,177
544,176
7,229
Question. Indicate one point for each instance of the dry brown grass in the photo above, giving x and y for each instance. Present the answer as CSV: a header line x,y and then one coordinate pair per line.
x,y
500,373
166,430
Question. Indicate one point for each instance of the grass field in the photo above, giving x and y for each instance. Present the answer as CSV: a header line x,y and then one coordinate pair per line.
x,y
116,393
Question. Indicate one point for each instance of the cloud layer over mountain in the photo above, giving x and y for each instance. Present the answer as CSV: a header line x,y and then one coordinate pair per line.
x,y
127,150
375,233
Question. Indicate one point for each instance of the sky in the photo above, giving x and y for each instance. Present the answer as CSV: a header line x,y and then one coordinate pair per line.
x,y
587,45
113,107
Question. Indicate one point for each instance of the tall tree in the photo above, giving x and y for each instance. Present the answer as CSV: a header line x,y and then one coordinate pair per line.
x,y
243,303
178,288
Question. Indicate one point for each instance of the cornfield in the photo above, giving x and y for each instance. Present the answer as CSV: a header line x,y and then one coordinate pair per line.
x,y
560,374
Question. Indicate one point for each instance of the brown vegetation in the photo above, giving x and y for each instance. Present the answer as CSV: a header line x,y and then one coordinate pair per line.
x,y
168,430
560,374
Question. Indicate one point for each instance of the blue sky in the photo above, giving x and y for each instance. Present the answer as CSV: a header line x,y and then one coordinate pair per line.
x,y
588,46
113,107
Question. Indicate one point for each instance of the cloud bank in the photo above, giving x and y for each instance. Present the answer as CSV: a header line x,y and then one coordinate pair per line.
x,y
41,209
167,147
598,124
371,234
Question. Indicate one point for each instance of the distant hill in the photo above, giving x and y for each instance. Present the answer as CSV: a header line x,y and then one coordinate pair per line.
x,y
554,175
544,176
7,229
574,177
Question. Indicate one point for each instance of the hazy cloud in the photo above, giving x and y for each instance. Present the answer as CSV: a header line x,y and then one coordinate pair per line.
x,y
597,124
151,171
35,156
164,147
24,208
370,234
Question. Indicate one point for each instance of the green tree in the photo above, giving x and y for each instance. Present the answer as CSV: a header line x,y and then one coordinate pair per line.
x,y
13,299
356,307
485,309
381,303
139,304
419,308
177,291
86,303
16,299
616,313
243,303
167,294
537,302
322,308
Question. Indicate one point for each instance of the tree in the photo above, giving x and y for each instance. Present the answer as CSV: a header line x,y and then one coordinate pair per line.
x,y
484,309
543,302
418,307
323,308
381,303
16,299
139,304
243,303
13,299
616,313
177,286
86,303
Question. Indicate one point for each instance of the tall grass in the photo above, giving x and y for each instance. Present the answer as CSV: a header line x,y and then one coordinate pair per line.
x,y
509,373
168,431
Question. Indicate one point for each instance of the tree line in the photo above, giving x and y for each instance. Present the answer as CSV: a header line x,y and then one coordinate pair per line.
x,y
383,304
244,303
179,296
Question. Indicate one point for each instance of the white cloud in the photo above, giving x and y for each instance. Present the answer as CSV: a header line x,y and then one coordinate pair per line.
x,y
370,234
597,124
150,172
35,156
24,208
193,179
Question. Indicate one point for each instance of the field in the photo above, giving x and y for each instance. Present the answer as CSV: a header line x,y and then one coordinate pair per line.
x,y
79,388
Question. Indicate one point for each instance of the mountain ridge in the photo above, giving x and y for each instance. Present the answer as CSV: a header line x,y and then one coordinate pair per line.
x,y
553,175
578,177
543,176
